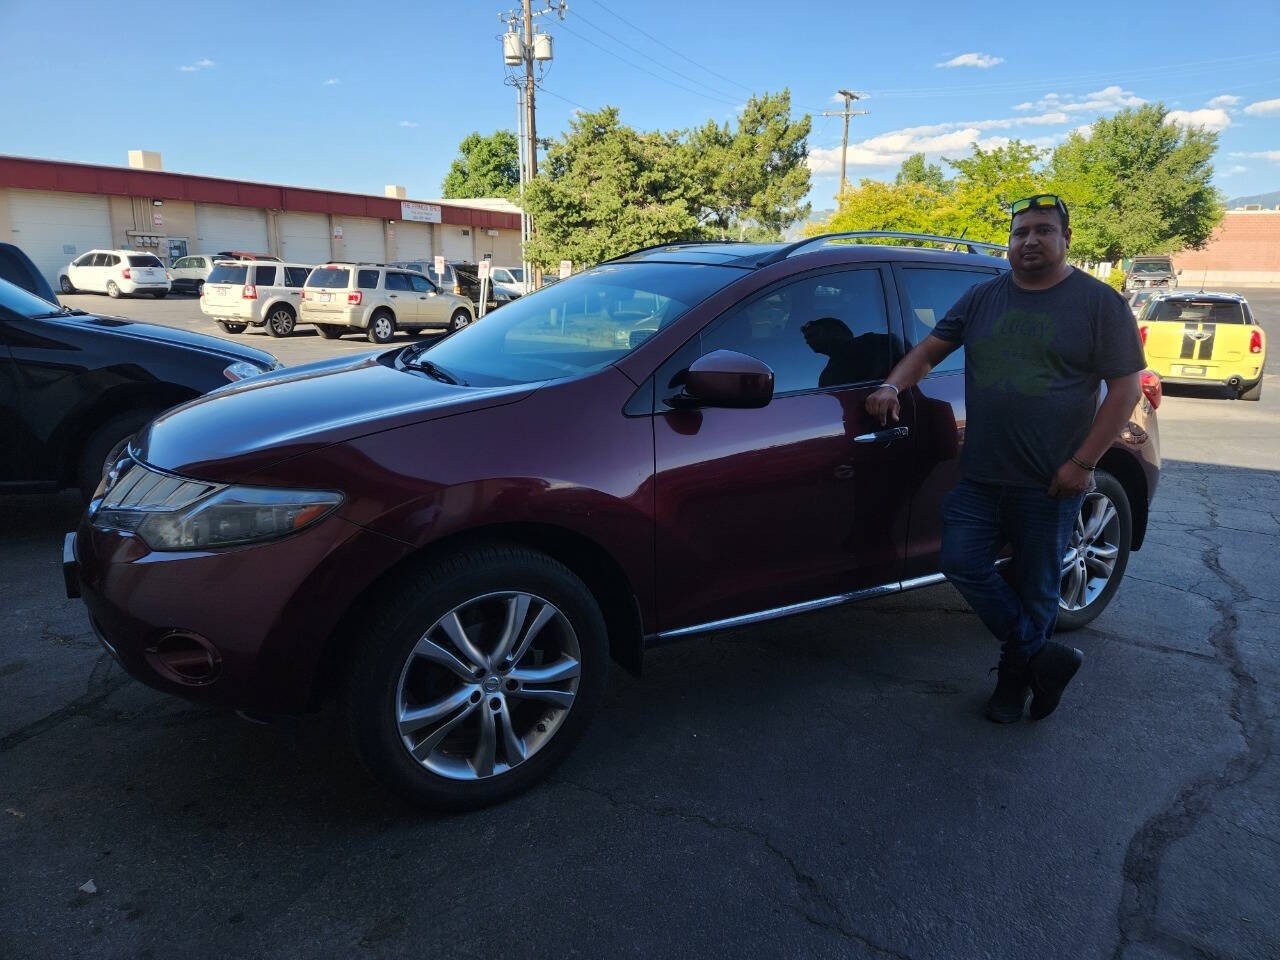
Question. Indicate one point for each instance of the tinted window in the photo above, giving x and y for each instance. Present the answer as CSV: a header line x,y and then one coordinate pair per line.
x,y
101,260
930,294
1195,311
329,277
227,273
502,276
367,279
16,302
398,281
264,276
578,326
295,276
112,260
818,332
518,273
421,284
144,260
85,261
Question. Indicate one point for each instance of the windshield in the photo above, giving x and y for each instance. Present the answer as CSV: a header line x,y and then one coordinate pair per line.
x,y
1152,266
227,274
329,277
518,273
579,326
16,301
1196,311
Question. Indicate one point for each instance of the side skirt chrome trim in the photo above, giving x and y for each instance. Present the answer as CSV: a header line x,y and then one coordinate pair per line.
x,y
809,606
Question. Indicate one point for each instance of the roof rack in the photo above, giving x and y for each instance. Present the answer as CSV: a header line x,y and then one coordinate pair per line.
x,y
669,243
971,246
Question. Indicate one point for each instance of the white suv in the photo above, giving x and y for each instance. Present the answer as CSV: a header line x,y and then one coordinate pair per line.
x,y
242,293
116,272
508,280
378,300
189,273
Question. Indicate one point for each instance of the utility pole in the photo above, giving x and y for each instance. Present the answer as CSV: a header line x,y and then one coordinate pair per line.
x,y
521,46
849,97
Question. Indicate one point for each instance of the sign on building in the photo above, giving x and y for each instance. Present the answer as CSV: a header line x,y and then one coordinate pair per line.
x,y
420,212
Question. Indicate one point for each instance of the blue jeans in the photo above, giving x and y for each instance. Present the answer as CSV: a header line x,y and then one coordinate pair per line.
x,y
978,519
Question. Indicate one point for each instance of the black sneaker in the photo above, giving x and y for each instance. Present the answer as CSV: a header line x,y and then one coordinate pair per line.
x,y
1010,697
1051,670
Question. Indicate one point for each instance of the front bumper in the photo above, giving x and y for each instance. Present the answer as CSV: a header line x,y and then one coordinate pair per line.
x,y
265,611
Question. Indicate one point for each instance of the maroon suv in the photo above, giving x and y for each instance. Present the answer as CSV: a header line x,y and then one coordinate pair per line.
x,y
454,538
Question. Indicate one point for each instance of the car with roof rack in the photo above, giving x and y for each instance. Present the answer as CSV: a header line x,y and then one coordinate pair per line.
x,y
254,293
1205,340
378,299
460,535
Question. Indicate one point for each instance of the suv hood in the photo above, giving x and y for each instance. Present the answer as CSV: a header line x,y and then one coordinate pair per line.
x,y
155,333
245,427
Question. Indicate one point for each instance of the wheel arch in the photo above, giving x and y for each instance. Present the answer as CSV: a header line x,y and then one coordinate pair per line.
x,y
1129,473
80,426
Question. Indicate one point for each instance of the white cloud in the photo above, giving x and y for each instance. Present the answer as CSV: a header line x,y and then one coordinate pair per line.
x,y
1215,120
1222,102
1272,155
1108,98
1026,105
407,123
1263,108
204,63
332,82
1232,171
982,61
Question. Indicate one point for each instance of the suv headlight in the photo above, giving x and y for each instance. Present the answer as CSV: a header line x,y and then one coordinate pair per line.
x,y
174,513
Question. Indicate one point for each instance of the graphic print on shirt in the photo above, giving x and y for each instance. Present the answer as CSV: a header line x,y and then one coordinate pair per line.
x,y
1015,354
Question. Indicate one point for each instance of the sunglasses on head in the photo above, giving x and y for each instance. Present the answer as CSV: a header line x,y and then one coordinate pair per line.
x,y
1041,201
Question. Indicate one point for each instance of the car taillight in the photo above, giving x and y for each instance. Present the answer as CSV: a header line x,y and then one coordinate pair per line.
x,y
1151,388
126,274
1142,332
1255,342
354,298
250,292
302,294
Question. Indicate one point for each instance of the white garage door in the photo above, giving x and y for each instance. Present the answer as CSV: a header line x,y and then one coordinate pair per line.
x,y
413,241
304,238
55,228
363,239
457,243
230,228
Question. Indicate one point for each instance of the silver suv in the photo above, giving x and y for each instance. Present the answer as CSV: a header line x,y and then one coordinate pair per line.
x,y
240,293
379,300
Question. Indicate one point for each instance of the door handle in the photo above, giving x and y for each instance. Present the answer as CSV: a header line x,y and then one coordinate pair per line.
x,y
883,436
392,296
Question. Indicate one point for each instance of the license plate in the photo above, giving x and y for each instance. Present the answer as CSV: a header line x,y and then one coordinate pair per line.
x,y
221,291
1193,371
325,297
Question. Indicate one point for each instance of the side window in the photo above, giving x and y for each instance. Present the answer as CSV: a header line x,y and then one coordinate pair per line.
x,y
398,281
85,261
930,293
421,284
295,276
823,331
101,260
367,279
264,276
112,260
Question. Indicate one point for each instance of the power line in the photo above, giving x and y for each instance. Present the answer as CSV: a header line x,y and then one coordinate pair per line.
x,y
552,93
666,46
636,66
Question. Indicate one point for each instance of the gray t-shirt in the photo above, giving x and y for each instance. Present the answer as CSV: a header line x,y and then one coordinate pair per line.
x,y
1034,360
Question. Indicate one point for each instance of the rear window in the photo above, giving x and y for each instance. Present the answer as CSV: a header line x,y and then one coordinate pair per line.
x,y
145,260
226,273
329,277
1196,311
264,276
367,279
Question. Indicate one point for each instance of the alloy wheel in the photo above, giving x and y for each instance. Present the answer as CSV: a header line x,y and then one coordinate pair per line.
x,y
280,323
487,686
1090,560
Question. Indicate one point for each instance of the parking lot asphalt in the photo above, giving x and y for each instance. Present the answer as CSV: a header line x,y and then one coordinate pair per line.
x,y
818,787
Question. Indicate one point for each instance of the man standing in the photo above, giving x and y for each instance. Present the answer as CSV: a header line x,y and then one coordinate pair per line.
x,y
1038,341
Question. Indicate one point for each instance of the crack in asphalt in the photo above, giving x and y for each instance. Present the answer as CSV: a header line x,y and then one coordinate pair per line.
x,y
1137,914
808,884
103,682
1149,645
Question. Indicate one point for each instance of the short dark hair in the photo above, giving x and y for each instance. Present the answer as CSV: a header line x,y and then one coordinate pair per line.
x,y
1061,211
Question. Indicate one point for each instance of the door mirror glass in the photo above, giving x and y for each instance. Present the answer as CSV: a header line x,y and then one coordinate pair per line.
x,y
725,378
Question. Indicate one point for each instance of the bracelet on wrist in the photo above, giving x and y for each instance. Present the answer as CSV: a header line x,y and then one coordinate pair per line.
x,y
1082,465
892,387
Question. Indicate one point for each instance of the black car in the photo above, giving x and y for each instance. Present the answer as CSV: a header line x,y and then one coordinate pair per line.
x,y
75,386
18,268
468,280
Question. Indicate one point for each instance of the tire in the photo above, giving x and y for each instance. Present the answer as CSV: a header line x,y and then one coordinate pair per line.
x,y
112,290
391,676
382,327
200,289
106,443
1079,605
329,331
461,318
64,284
281,321
1252,393
231,327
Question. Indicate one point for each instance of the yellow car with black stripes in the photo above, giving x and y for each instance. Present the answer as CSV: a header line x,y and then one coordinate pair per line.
x,y
1205,339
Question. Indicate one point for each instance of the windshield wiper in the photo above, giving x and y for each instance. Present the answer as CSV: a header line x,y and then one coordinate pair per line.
x,y
64,312
435,370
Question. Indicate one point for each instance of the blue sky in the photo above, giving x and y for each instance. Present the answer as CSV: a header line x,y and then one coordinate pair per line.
x,y
353,97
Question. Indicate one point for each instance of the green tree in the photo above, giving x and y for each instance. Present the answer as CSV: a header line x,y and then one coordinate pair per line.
x,y
1137,184
915,170
986,183
485,167
606,188
876,205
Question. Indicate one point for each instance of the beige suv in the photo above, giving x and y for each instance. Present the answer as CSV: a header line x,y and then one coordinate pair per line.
x,y
240,293
375,298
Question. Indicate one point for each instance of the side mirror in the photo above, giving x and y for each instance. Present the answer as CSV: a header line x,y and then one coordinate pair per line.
x,y
724,378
